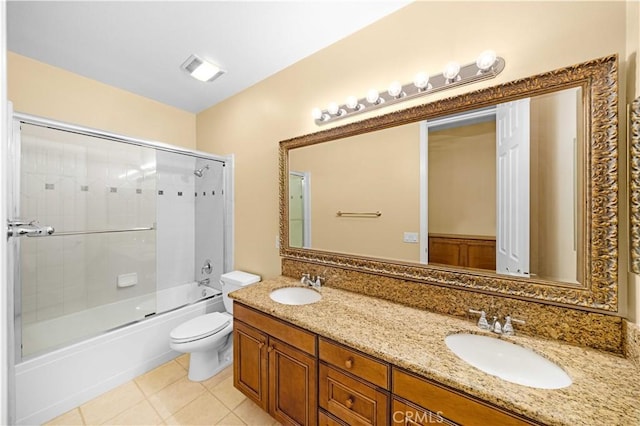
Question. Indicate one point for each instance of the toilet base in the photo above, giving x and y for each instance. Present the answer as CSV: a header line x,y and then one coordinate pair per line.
x,y
204,365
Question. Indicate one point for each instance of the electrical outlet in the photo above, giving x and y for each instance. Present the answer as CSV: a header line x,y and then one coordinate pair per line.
x,y
410,237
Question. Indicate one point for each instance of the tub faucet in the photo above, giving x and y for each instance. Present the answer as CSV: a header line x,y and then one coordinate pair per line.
x,y
204,282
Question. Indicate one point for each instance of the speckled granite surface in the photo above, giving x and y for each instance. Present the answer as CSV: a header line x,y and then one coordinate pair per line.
x,y
577,327
632,343
605,389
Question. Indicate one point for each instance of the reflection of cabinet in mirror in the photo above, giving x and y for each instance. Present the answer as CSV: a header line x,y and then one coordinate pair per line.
x,y
468,251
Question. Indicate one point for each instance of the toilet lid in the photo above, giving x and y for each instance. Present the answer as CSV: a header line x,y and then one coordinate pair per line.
x,y
200,327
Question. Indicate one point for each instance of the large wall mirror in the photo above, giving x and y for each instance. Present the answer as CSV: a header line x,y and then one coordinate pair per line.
x,y
511,190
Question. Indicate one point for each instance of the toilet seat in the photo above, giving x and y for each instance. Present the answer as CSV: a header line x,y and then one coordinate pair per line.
x,y
200,327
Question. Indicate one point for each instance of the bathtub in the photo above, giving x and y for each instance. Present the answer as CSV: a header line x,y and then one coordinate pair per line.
x,y
53,383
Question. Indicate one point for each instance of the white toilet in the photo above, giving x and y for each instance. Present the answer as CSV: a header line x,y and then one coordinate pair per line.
x,y
208,338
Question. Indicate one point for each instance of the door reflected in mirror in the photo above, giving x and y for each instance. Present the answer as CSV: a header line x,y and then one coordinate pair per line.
x,y
497,189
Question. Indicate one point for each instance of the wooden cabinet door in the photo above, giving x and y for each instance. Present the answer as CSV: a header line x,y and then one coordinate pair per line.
x,y
293,395
250,363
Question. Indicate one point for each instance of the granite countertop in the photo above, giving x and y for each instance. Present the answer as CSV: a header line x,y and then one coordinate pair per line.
x,y
605,389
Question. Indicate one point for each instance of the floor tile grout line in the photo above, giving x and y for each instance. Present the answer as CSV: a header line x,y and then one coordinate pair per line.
x,y
149,402
166,386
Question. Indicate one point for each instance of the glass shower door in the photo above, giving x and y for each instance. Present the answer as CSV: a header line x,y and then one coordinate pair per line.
x,y
97,270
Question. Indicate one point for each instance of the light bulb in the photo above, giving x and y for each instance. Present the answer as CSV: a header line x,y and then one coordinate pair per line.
x,y
421,80
352,102
333,108
451,70
395,89
373,96
316,113
486,60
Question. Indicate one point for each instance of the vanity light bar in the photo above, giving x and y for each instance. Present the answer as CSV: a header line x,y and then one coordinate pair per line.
x,y
487,66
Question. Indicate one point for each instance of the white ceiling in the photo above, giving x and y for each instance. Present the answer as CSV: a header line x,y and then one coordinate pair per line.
x,y
139,46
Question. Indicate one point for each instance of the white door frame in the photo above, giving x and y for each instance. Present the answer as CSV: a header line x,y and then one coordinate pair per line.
x,y
306,206
7,407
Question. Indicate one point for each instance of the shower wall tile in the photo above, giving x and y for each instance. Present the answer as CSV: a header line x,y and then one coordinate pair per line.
x,y
73,273
175,219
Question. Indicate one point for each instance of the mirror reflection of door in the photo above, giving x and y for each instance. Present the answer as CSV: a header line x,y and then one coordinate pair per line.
x,y
533,209
299,211
462,190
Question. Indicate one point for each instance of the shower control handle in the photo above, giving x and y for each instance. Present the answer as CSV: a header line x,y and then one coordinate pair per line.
x,y
207,268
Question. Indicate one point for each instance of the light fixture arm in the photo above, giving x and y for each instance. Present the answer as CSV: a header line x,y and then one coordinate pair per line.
x,y
469,73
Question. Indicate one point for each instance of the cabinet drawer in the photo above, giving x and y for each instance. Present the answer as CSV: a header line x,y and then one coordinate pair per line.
x,y
406,414
450,404
358,364
326,420
350,400
294,336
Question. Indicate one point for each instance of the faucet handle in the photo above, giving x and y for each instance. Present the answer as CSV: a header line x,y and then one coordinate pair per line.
x,y
508,326
482,322
318,281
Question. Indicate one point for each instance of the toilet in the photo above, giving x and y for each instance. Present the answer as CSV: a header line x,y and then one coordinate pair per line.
x,y
208,338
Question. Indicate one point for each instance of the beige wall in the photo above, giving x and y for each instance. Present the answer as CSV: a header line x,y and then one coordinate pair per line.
x,y
377,171
40,89
555,199
533,37
462,180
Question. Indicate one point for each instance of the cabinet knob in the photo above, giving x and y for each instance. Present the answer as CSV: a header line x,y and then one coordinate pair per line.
x,y
349,403
348,363
269,348
260,345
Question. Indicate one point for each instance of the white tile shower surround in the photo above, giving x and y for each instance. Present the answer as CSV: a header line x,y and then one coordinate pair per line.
x,y
66,183
209,221
175,218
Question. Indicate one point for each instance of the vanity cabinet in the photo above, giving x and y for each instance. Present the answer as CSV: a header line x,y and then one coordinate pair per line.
x,y
304,379
275,366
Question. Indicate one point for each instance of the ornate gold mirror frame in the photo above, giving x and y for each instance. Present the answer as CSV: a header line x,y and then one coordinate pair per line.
x,y
634,185
599,291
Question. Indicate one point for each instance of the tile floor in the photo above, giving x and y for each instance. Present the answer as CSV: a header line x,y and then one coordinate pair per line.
x,y
165,396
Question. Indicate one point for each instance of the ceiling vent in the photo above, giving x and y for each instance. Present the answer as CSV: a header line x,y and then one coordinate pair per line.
x,y
200,69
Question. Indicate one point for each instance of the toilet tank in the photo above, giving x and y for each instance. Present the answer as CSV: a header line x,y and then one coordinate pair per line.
x,y
233,281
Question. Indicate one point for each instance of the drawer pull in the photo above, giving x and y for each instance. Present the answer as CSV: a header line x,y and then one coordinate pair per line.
x,y
269,348
260,345
349,403
349,363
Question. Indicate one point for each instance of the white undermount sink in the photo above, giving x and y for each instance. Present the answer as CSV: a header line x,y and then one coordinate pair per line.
x,y
295,295
509,361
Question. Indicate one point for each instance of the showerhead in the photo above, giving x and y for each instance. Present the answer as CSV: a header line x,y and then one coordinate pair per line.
x,y
200,172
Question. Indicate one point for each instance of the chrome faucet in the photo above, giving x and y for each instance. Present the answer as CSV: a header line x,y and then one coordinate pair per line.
x,y
204,282
494,325
315,282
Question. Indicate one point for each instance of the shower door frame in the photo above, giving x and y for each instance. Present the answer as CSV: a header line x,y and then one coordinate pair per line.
x,y
13,202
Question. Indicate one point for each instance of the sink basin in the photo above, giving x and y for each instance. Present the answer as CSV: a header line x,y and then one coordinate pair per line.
x,y
509,361
295,295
